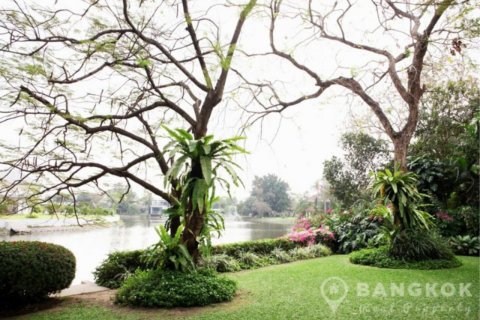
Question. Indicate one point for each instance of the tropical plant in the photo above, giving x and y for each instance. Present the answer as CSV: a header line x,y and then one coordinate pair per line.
x,y
357,233
398,192
197,166
169,252
416,245
465,245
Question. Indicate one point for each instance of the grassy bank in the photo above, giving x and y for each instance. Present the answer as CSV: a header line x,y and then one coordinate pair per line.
x,y
293,291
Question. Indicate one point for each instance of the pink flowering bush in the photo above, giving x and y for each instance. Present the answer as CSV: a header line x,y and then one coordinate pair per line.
x,y
304,233
444,216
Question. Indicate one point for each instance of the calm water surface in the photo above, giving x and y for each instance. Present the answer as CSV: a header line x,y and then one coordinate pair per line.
x,y
92,246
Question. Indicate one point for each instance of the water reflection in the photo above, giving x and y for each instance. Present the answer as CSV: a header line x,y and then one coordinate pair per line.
x,y
91,246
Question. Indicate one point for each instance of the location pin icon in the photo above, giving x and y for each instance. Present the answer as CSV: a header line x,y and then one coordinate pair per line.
x,y
334,290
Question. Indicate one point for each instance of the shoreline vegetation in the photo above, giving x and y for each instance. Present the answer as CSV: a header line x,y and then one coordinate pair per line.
x,y
26,224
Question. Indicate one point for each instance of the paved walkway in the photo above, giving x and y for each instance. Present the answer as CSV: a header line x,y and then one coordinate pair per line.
x,y
84,287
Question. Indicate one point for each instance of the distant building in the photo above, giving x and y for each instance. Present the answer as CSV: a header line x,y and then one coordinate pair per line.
x,y
157,207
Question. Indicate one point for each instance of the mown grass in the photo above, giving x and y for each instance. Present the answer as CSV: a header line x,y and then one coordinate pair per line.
x,y
293,291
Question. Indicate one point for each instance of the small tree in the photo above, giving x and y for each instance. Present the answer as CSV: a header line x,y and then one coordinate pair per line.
x,y
269,194
349,179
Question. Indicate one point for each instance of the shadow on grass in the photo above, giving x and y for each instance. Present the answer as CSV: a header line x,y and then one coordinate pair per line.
x,y
15,309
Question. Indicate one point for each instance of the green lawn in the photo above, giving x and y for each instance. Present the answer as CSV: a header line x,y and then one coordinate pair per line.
x,y
293,291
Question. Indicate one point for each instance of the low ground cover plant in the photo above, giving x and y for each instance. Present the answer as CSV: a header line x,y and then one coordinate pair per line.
x,y
170,288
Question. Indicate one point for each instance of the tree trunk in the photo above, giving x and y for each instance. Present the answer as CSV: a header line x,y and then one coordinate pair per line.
x,y
193,228
400,146
194,218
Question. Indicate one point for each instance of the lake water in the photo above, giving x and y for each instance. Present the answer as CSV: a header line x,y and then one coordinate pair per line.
x,y
91,246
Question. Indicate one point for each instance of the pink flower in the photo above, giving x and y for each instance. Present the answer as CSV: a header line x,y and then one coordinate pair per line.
x,y
444,216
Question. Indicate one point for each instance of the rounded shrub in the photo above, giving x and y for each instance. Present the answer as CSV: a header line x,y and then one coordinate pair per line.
x,y
169,289
379,257
117,267
31,270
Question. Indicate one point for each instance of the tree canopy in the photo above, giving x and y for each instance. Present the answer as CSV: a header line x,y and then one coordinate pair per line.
x,y
269,194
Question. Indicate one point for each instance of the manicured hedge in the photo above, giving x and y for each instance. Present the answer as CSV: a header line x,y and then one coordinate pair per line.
x,y
263,247
31,270
164,288
379,257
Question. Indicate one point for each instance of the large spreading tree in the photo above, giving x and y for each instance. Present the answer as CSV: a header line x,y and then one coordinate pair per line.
x,y
89,84
383,50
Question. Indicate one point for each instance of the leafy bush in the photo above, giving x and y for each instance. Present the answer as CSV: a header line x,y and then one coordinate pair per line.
x,y
465,245
31,270
281,256
462,220
221,263
302,253
305,233
250,260
168,288
319,250
118,266
379,257
415,245
264,247
356,233
169,252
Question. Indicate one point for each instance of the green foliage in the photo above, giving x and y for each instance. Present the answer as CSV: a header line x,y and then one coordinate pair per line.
x,y
260,247
379,257
465,245
416,245
446,151
356,233
349,179
117,267
250,260
302,253
169,252
31,270
461,220
221,263
169,289
281,256
318,250
197,167
269,195
398,190
253,206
